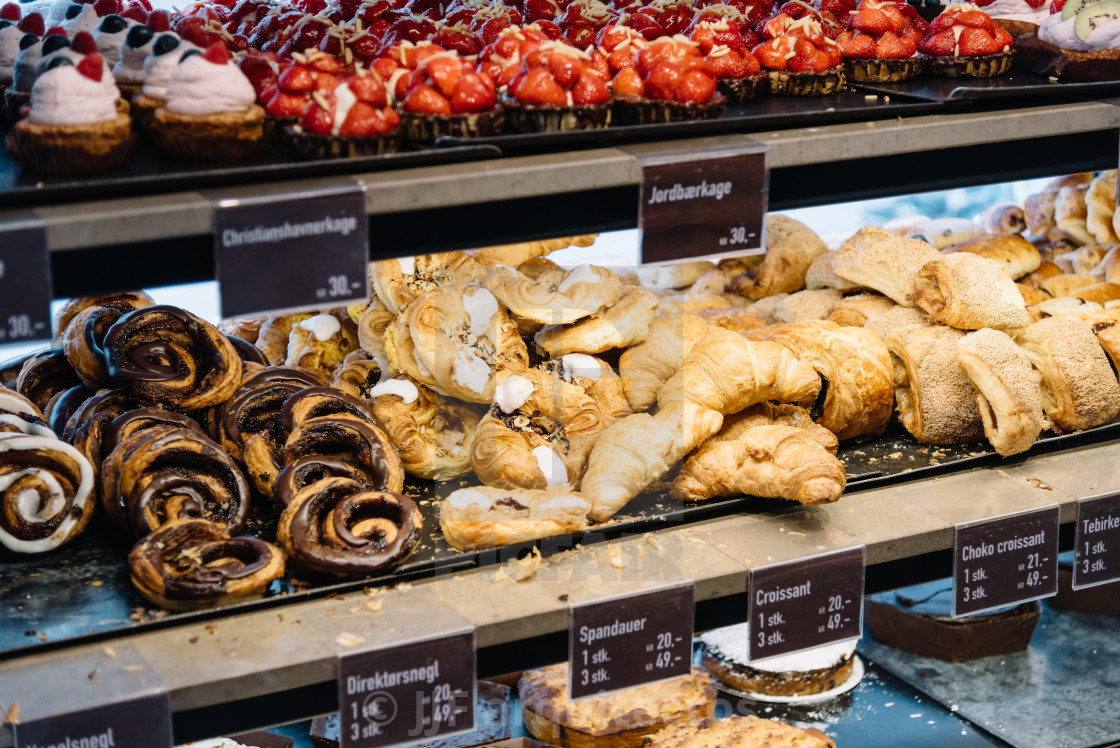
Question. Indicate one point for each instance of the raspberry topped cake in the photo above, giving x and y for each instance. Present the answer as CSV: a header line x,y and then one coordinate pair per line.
x,y
801,59
880,44
964,42
558,89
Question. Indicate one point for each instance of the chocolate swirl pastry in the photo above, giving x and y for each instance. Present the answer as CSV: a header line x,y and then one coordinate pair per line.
x,y
167,356
45,376
46,493
10,369
165,472
355,441
85,429
255,407
246,351
341,527
66,405
83,342
303,471
189,564
121,302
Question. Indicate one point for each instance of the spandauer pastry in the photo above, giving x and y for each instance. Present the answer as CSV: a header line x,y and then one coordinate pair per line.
x,y
969,292
1071,213
1007,390
1031,295
166,356
168,472
791,247
399,282
431,433
806,306
738,731
359,373
647,366
883,261
538,432
1100,208
854,366
676,275
854,311
46,492
192,564
273,336
1079,387
621,720
518,254
936,402
820,276
595,377
485,517
1066,283
1004,218
464,338
1017,255
320,343
344,528
555,298
618,326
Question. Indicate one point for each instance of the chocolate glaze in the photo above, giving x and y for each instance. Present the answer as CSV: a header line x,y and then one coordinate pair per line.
x,y
343,437
126,424
267,396
304,471
66,406
95,328
247,351
105,405
10,369
329,402
44,376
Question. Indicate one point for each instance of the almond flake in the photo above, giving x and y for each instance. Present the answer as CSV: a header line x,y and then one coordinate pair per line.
x,y
349,640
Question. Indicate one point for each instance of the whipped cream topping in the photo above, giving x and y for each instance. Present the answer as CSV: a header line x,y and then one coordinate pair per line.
x,y
109,42
581,365
1017,10
86,20
512,393
1060,33
130,63
731,643
23,69
52,11
322,326
408,265
480,306
63,96
159,67
200,87
9,48
402,388
468,497
471,372
551,466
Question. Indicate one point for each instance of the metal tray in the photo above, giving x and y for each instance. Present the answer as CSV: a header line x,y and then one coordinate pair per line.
x,y
1018,84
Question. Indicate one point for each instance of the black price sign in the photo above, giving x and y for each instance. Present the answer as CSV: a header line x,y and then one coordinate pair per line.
x,y
629,641
143,722
277,253
1097,550
806,603
25,283
1005,561
696,204
407,694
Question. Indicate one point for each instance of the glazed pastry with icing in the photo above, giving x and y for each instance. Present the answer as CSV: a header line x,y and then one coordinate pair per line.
x,y
883,261
791,247
969,292
485,517
1007,390
273,336
555,298
400,282
358,374
1017,255
320,343
621,325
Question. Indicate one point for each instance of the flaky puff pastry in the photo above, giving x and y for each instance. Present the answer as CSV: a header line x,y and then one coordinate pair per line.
x,y
465,338
1071,213
1079,387
791,247
273,334
1007,389
618,326
358,374
1100,207
559,297
1108,269
883,261
682,303
431,433
522,252
399,282
1046,270
769,414
673,276
1032,296
595,377
373,323
485,517
541,441
773,461
308,351
969,292
1017,255
401,353
736,319
1066,283
246,328
821,276
854,311
648,365
936,402
854,365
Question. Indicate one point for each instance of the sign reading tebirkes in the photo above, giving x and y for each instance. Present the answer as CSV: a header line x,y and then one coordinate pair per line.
x,y
407,694
25,283
629,641
698,203
286,253
1005,561
143,722
1097,551
806,603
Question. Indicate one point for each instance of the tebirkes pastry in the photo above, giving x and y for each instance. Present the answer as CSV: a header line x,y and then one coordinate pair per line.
x,y
669,84
814,671
802,60
969,292
354,119
485,517
447,96
211,111
73,124
1081,43
167,50
560,88
963,42
880,44
739,731
620,720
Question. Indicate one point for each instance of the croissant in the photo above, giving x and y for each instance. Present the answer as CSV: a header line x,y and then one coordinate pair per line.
x,y
771,461
791,247
399,282
1100,204
1007,390
805,306
736,319
854,311
768,414
1017,255
648,365
482,517
969,292
522,252
888,263
555,298
618,326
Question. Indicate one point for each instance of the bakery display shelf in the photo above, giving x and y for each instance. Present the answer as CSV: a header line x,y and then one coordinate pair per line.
x,y
1018,84
236,671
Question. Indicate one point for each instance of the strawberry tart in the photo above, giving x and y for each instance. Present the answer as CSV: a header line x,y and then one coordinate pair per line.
x,y
880,44
669,84
354,119
964,42
800,58
1079,42
448,96
559,89
727,57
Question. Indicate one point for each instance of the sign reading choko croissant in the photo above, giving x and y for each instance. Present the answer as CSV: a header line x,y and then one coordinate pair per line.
x,y
25,282
701,198
1098,541
291,251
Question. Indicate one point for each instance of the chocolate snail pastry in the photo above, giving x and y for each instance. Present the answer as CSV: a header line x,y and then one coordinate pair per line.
x,y
320,343
191,564
484,517
247,352
399,282
358,374
1079,387
373,323
969,292
791,247
345,528
255,406
464,338
166,356
86,428
18,415
83,343
559,297
163,473
538,433
10,369
46,493
1007,390
44,377
431,433
121,302
620,325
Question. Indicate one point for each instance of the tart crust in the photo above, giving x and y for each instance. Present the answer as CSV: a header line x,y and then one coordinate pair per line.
x,y
313,146
62,149
1042,57
14,101
430,127
529,118
210,137
981,66
884,71
144,110
742,90
785,83
632,110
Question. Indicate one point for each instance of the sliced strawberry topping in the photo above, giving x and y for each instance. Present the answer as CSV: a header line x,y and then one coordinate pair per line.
x,y
159,21
424,99
217,54
539,88
892,47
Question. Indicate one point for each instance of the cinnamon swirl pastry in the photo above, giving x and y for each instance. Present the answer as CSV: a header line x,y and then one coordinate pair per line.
x,y
165,472
484,517
46,493
341,527
18,415
167,356
431,433
400,282
121,302
193,564
10,369
621,325
555,298
44,377
1007,390
358,374
320,343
